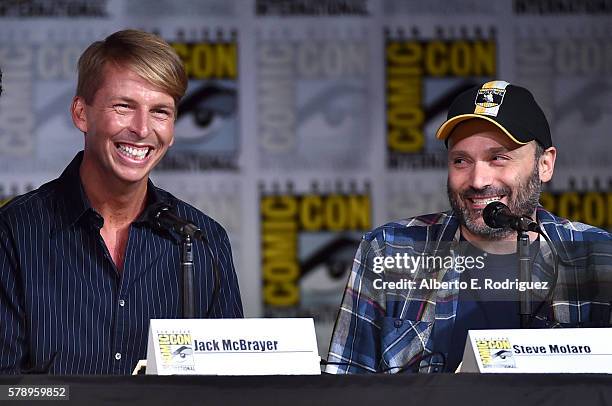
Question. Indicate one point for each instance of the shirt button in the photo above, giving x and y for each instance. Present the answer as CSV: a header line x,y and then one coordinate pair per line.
x,y
118,356
398,323
121,302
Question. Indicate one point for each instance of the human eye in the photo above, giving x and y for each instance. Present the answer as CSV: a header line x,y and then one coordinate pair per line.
x,y
459,162
500,159
162,113
121,107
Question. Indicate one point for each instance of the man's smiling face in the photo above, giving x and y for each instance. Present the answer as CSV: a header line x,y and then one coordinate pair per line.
x,y
129,126
484,165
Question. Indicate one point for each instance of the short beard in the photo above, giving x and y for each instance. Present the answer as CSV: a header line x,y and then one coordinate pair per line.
x,y
523,204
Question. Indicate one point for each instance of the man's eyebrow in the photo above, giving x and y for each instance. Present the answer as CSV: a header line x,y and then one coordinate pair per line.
x,y
456,153
492,150
123,98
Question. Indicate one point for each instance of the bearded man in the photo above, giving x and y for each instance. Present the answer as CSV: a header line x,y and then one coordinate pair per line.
x,y
418,285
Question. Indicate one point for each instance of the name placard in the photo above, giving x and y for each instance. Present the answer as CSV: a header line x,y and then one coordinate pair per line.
x,y
232,347
560,350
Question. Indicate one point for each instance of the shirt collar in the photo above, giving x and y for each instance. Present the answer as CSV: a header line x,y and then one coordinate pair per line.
x,y
75,205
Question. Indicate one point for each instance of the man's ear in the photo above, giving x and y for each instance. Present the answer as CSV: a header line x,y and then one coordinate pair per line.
x,y
77,111
547,164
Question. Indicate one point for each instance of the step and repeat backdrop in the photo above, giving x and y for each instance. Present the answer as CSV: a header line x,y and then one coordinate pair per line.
x,y
308,122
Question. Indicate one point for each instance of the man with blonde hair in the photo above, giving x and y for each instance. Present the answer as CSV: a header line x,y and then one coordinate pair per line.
x,y
79,284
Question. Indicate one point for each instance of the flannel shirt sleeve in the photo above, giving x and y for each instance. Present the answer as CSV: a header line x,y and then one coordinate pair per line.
x,y
355,345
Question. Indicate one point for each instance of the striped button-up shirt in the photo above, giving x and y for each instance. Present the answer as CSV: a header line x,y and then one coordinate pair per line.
x,y
386,330
64,306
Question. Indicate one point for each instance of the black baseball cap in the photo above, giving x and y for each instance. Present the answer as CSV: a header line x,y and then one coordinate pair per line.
x,y
511,108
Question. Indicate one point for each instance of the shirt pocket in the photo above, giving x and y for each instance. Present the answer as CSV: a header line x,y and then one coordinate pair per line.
x,y
402,342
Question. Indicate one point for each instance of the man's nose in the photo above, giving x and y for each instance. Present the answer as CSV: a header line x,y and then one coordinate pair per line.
x,y
481,176
139,124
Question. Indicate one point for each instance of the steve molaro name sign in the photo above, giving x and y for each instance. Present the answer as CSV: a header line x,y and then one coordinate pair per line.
x,y
569,350
551,349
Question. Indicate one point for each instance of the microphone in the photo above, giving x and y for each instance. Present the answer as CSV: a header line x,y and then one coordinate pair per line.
x,y
498,215
161,216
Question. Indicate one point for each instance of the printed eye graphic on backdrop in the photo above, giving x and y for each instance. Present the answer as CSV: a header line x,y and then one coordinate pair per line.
x,y
438,105
411,143
324,264
54,106
593,97
330,116
582,106
331,108
336,257
205,114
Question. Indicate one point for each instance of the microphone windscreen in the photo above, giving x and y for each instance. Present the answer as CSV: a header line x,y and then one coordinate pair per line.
x,y
491,211
153,215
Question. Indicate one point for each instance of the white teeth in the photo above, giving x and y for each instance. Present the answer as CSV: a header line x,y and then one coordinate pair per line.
x,y
486,201
132,152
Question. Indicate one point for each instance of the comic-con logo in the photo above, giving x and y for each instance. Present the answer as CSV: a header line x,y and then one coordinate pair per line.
x,y
590,203
308,241
207,128
176,349
495,353
312,101
423,76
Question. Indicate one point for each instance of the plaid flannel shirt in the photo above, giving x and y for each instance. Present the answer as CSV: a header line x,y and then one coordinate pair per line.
x,y
383,330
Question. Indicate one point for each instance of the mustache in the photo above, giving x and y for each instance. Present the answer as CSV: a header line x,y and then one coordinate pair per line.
x,y
485,192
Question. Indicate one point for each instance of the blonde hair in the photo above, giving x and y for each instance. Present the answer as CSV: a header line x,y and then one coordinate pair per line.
x,y
149,56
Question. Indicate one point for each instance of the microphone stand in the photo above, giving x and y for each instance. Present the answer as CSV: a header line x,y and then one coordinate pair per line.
x,y
522,247
187,268
161,217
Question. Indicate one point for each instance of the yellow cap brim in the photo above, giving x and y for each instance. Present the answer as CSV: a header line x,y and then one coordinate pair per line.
x,y
447,128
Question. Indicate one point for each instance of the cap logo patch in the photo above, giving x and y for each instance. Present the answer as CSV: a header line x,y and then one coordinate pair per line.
x,y
489,98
